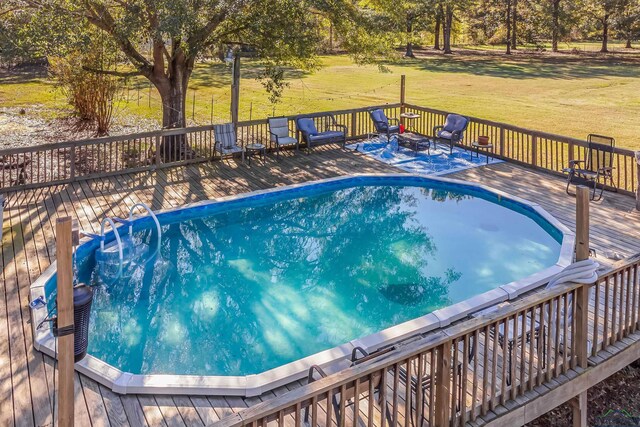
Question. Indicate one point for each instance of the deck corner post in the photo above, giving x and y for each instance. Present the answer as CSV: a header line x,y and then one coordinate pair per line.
x,y
582,293
443,384
582,223
579,406
64,302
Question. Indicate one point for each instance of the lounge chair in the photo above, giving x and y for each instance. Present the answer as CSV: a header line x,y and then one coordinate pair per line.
x,y
358,356
331,132
452,131
596,169
381,123
279,131
227,140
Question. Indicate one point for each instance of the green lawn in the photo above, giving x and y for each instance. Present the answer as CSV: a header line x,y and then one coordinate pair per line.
x,y
564,93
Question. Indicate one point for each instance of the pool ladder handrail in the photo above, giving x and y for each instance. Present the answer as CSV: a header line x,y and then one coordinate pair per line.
x,y
101,236
129,221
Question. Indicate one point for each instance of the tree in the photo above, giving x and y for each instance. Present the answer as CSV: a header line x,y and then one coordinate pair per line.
x,y
176,32
627,21
555,24
437,26
403,16
602,11
508,22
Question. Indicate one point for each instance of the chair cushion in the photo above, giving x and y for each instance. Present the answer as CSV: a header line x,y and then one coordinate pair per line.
x,y
306,125
225,135
444,134
394,129
380,119
231,150
279,127
455,123
287,140
333,134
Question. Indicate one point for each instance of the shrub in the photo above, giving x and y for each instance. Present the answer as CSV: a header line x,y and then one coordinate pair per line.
x,y
91,94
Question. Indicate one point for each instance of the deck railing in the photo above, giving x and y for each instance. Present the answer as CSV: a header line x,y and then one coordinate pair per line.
x,y
533,148
59,163
66,162
455,375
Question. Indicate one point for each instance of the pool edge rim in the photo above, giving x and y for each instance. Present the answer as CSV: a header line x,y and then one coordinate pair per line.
x,y
257,384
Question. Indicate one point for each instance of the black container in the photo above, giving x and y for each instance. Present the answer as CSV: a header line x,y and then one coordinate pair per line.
x,y
82,300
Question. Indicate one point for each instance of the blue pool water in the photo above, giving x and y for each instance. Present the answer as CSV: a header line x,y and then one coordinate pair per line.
x,y
245,286
438,161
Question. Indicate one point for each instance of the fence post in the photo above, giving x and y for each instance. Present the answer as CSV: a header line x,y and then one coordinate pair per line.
x,y
64,303
582,293
501,141
443,384
534,150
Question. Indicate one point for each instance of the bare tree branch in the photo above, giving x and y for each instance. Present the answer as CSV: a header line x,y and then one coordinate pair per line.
x,y
113,72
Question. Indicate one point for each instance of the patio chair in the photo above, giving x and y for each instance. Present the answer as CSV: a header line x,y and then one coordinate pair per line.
x,y
279,131
452,131
381,123
226,140
331,132
596,169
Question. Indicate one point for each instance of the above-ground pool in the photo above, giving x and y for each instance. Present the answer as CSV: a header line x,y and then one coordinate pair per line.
x,y
246,293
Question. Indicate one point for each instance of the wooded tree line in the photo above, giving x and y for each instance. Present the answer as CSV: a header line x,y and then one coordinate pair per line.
x,y
511,23
161,40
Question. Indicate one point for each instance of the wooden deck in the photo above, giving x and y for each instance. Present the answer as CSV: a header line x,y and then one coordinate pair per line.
x,y
28,247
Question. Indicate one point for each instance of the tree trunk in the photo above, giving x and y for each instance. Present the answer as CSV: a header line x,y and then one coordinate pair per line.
x,y
448,21
514,25
409,52
436,43
605,33
628,46
508,21
173,93
555,30
331,36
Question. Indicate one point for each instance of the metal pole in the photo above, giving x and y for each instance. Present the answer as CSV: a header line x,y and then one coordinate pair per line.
x,y
235,90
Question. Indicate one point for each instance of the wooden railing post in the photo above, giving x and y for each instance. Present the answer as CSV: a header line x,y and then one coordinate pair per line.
x,y
403,93
637,156
443,384
157,142
582,293
64,303
534,150
72,166
501,141
354,119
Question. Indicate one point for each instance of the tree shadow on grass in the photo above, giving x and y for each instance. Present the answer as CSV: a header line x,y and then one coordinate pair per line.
x,y
528,66
20,75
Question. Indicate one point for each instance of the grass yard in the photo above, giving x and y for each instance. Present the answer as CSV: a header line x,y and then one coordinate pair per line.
x,y
560,93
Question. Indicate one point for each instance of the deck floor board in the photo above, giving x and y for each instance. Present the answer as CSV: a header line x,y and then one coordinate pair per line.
x,y
28,248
